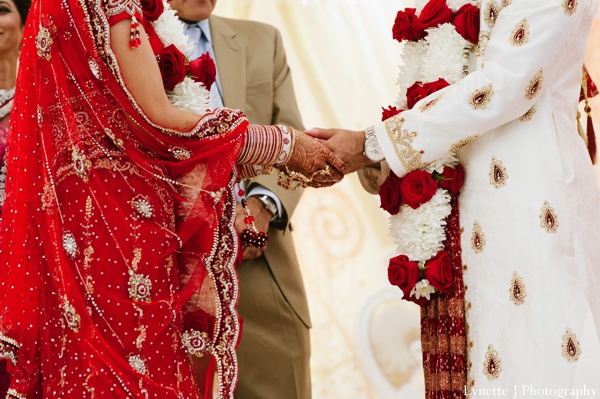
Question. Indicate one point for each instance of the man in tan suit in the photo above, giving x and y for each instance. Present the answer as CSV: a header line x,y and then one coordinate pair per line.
x,y
253,76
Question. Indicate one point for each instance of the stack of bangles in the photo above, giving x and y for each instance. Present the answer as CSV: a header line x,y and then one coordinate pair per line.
x,y
265,147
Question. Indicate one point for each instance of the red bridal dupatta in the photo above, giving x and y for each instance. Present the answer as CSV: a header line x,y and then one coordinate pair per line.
x,y
90,295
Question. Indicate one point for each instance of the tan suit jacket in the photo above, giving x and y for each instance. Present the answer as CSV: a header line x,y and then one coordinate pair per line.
x,y
261,86
274,352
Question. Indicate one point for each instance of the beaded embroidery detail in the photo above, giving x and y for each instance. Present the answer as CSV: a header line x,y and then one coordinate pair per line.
x,y
570,6
95,69
477,239
180,154
402,141
430,104
9,349
196,343
142,206
139,287
43,43
498,175
571,349
490,14
81,164
520,35
517,290
461,143
528,115
116,7
70,245
71,317
481,97
548,218
484,38
138,364
535,85
492,364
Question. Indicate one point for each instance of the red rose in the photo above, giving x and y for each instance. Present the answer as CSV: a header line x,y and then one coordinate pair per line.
x,y
155,42
435,13
389,112
152,9
403,273
407,26
466,22
204,70
172,67
389,193
418,91
452,179
417,188
438,271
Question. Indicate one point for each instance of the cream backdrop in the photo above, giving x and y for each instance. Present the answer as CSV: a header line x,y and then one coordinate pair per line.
x,y
344,62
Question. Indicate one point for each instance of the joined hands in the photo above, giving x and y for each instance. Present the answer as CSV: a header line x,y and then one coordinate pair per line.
x,y
347,145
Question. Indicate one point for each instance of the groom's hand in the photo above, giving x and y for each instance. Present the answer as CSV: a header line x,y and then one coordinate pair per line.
x,y
348,145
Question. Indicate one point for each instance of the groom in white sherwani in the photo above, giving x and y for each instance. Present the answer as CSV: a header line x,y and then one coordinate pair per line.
x,y
530,204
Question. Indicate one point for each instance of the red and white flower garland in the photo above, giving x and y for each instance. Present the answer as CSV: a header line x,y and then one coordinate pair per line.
x,y
438,36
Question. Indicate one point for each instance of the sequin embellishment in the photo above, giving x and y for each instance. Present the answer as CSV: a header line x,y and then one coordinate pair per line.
x,y
430,104
95,69
477,239
71,317
180,153
571,349
520,35
484,38
517,290
195,342
402,141
81,164
139,287
461,143
534,87
528,115
498,175
481,97
70,245
43,43
570,6
548,218
492,364
138,364
491,12
142,206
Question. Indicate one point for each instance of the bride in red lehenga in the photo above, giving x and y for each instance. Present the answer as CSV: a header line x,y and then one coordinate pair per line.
x,y
91,300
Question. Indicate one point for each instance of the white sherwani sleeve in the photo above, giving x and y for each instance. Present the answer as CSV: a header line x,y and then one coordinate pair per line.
x,y
525,50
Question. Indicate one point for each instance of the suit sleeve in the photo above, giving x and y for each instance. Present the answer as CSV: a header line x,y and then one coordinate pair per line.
x,y
524,54
285,112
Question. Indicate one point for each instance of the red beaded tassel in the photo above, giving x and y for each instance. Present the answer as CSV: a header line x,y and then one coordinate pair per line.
x,y
134,34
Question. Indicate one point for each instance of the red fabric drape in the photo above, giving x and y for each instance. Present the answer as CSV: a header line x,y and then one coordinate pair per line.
x,y
90,293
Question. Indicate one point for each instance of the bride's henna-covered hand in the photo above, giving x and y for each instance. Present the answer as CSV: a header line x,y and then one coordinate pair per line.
x,y
311,159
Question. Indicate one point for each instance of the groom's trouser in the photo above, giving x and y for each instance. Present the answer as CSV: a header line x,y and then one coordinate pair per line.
x,y
274,352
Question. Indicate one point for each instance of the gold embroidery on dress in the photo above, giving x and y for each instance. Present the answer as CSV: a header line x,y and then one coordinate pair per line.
x,y
492,364
118,142
571,349
477,238
498,175
517,290
490,14
461,143
520,35
548,218
116,7
402,142
140,287
180,153
95,68
570,6
81,164
481,97
9,349
142,206
484,38
528,115
535,85
138,364
14,394
196,343
506,3
44,43
70,245
430,104
70,314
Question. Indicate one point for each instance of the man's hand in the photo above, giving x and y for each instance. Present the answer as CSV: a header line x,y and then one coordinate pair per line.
x,y
310,156
262,218
348,145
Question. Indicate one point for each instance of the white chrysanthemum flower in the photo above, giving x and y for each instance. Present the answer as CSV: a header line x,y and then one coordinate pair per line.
x,y
438,165
419,233
446,56
170,31
422,289
410,71
190,96
456,4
